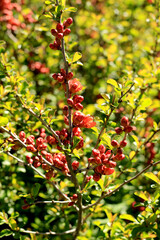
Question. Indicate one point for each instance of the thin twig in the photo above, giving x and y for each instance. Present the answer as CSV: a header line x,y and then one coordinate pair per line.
x,y
47,233
121,185
51,202
42,121
39,173
37,154
147,141
123,94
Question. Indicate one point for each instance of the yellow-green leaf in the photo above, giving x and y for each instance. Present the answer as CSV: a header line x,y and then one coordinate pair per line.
x,y
3,121
141,195
113,83
128,217
76,57
153,177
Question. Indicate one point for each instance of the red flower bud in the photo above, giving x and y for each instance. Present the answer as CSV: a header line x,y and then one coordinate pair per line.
x,y
123,143
75,165
114,143
128,129
59,27
96,152
69,75
96,177
124,121
60,35
118,130
54,32
66,32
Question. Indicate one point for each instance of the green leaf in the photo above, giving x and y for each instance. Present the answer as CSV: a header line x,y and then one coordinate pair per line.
x,y
155,126
152,176
106,97
47,2
101,184
14,215
128,83
76,140
70,9
3,121
113,83
76,57
152,218
63,3
2,221
80,177
86,197
24,194
46,16
35,189
128,217
138,230
13,224
141,195
90,184
5,233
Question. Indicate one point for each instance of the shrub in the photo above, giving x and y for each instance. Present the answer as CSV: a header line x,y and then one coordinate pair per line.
x,y
79,147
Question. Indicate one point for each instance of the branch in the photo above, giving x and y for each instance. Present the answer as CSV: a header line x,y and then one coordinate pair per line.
x,y
57,2
67,92
52,202
48,233
123,94
39,173
68,157
147,141
37,154
42,121
121,185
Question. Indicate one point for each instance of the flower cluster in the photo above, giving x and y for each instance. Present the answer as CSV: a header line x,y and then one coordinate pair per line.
x,y
74,199
6,8
28,17
103,161
37,145
62,77
75,102
82,120
38,67
125,126
61,31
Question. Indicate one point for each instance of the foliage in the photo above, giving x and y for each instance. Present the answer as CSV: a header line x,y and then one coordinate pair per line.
x,y
113,52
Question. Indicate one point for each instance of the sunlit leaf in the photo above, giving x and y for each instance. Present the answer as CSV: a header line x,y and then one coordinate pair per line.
x,y
76,57
152,176
128,217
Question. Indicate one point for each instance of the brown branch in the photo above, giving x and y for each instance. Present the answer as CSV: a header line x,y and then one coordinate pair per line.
x,y
68,157
121,185
37,154
147,141
42,121
39,173
123,94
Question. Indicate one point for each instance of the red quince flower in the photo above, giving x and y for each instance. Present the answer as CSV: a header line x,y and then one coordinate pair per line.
x,y
75,86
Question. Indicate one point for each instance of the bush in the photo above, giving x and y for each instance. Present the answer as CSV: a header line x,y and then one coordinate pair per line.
x,y
79,133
